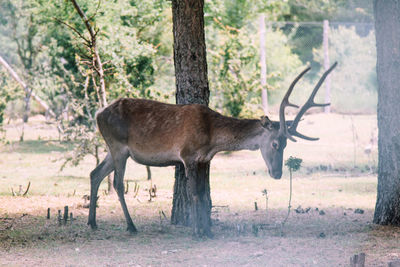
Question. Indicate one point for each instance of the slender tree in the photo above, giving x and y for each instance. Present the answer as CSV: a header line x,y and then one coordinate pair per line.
x,y
191,87
387,25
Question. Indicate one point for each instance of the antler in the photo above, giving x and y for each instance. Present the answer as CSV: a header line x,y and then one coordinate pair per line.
x,y
289,133
285,103
309,104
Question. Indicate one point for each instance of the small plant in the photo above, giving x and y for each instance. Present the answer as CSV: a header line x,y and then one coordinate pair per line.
x,y
265,193
293,165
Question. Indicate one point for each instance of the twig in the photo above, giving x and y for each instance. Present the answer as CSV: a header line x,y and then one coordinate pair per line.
x,y
75,30
12,192
165,216
127,187
27,189
136,190
84,18
95,13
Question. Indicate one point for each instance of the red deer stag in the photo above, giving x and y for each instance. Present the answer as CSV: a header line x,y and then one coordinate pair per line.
x,y
158,134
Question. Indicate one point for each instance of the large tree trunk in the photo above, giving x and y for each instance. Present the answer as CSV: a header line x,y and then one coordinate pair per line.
x,y
191,87
387,25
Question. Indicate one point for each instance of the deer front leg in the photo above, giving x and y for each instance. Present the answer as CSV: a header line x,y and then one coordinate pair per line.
x,y
96,176
200,214
203,189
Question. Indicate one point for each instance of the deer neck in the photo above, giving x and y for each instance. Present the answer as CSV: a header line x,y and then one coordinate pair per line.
x,y
238,134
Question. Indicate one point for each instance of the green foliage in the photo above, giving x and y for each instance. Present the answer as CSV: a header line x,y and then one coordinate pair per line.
x,y
127,35
233,55
234,73
234,70
282,64
305,38
135,42
293,164
355,76
9,91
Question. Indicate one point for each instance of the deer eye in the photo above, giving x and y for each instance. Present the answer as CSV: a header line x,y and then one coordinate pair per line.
x,y
275,145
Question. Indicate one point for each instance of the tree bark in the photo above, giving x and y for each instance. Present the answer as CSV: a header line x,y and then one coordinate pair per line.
x,y
191,87
387,27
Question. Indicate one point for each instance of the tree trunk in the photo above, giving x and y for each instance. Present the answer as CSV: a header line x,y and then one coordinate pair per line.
x,y
387,26
191,87
27,109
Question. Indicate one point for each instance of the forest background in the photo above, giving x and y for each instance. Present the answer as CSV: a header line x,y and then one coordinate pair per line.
x,y
44,42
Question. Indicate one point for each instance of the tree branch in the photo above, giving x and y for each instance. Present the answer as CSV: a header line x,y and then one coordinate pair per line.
x,y
26,88
95,53
75,30
84,18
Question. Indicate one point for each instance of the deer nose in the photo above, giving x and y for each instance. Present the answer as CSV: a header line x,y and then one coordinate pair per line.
x,y
275,174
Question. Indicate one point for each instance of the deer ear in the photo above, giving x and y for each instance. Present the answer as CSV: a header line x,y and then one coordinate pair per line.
x,y
266,122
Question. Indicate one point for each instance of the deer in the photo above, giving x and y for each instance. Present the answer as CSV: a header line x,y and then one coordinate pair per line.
x,y
159,134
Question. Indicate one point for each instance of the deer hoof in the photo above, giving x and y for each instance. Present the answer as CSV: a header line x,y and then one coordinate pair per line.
x,y
131,229
209,234
93,226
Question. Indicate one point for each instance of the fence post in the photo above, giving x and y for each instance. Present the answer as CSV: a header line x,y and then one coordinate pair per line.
x,y
264,95
327,109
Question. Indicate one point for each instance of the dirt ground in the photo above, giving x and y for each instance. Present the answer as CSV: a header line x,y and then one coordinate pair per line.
x,y
252,238
335,189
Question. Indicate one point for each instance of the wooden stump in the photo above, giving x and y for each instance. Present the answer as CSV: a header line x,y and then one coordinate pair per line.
x,y
358,260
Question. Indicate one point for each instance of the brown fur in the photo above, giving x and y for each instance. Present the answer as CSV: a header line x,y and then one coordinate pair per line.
x,y
183,132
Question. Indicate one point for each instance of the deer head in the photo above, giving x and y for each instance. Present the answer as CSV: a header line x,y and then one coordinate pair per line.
x,y
275,141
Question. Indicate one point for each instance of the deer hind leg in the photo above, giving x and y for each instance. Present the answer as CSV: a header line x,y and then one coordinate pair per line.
x,y
96,176
200,204
119,172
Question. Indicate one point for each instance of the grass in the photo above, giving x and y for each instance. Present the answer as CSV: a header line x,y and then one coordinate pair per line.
x,y
334,179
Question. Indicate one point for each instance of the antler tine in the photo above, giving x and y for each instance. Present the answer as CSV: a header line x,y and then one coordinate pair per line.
x,y
285,103
309,104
